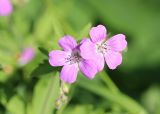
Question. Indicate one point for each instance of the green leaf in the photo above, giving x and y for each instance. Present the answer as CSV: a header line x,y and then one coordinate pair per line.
x,y
45,94
58,30
8,49
43,26
44,51
79,109
85,31
43,69
15,102
84,109
150,99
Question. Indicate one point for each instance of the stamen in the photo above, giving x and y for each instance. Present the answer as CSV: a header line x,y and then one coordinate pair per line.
x,y
102,48
73,58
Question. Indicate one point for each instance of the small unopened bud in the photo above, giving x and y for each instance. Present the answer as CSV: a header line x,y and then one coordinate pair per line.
x,y
64,98
58,103
65,89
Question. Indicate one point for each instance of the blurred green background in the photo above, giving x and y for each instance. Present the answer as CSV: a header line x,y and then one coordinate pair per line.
x,y
33,88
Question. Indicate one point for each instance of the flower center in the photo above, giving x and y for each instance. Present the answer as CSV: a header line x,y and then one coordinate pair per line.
x,y
102,48
74,57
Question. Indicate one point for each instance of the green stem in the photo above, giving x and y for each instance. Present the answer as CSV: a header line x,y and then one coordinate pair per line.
x,y
122,100
105,77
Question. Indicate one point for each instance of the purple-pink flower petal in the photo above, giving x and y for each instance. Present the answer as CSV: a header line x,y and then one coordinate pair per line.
x,y
87,49
98,33
83,40
67,43
5,7
88,68
113,59
69,73
99,60
57,58
117,42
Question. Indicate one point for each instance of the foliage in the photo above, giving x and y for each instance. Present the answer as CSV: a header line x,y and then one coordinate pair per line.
x,y
35,87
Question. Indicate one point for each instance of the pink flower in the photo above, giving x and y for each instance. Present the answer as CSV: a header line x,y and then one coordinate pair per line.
x,y
5,7
103,51
71,60
26,56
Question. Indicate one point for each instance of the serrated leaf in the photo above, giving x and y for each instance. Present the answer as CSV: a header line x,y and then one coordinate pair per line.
x,y
43,69
43,51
